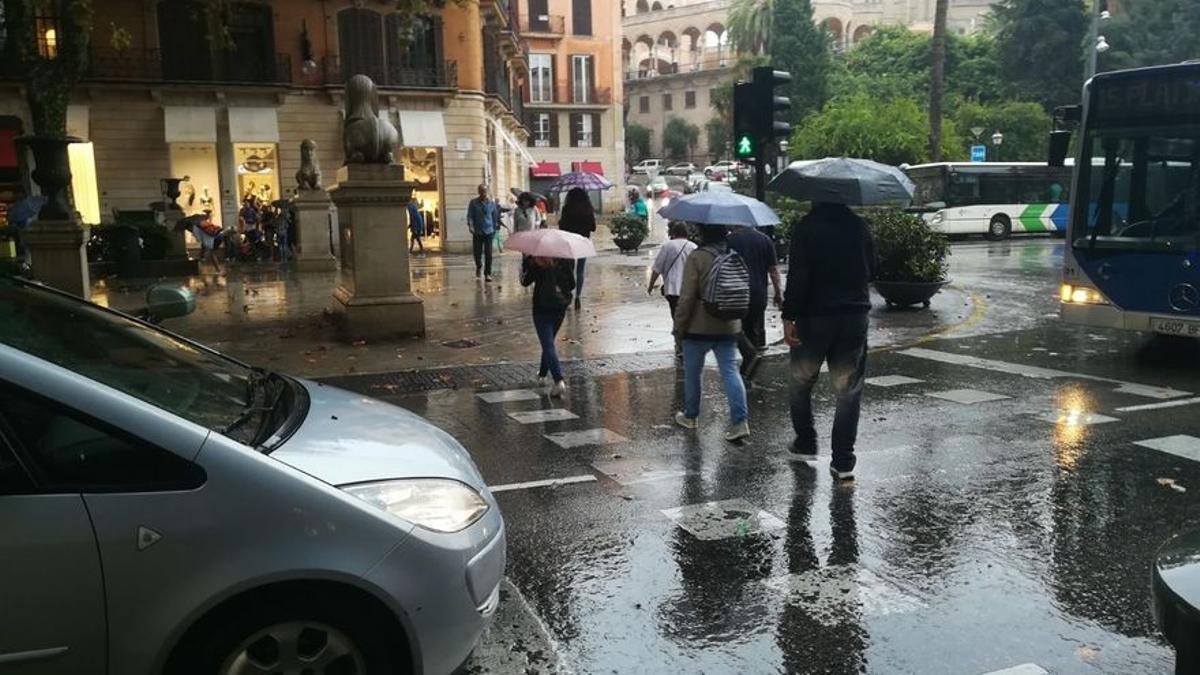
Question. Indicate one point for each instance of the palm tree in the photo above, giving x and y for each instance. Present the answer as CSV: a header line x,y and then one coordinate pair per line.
x,y
750,23
937,84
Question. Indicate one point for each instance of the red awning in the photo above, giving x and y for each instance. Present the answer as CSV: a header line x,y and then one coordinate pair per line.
x,y
591,167
545,170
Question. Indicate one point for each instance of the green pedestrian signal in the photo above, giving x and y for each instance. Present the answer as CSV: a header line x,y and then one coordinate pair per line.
x,y
745,147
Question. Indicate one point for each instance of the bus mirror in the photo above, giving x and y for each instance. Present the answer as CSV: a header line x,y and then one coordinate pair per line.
x,y
1060,145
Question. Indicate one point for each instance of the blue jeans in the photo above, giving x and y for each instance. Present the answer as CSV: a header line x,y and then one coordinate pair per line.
x,y
694,353
547,324
579,267
281,240
842,341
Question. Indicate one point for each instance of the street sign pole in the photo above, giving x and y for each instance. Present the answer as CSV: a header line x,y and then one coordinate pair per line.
x,y
760,176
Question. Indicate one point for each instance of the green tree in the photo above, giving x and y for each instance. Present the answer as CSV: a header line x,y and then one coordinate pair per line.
x,y
800,47
1042,54
718,132
1152,32
680,138
937,75
750,23
637,142
893,132
1025,126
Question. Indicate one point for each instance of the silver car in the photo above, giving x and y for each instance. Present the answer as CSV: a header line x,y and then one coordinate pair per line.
x,y
167,509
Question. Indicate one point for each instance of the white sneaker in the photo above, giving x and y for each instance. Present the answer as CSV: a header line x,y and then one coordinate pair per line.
x,y
685,421
559,389
738,431
542,382
841,475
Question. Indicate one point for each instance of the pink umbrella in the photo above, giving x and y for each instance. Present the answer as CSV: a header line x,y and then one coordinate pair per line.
x,y
551,243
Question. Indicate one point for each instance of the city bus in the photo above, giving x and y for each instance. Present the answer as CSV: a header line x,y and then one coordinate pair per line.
x,y
995,199
1132,260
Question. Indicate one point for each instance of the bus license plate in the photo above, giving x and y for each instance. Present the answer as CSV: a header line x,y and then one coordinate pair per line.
x,y
1176,327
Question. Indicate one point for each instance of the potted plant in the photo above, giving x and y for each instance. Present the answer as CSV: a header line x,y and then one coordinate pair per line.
x,y
911,258
628,231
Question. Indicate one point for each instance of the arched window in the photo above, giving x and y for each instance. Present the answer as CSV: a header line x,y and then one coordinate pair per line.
x,y
643,6
360,43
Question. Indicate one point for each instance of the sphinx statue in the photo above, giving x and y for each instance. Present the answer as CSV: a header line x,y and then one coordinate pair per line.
x,y
369,138
309,175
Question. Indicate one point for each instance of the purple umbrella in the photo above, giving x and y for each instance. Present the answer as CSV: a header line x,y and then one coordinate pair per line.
x,y
580,179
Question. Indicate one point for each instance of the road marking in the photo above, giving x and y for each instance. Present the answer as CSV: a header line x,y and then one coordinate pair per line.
x,y
549,482
575,439
1187,447
721,520
1023,669
892,381
517,640
1037,372
1159,406
508,396
539,416
967,396
824,593
638,470
1073,418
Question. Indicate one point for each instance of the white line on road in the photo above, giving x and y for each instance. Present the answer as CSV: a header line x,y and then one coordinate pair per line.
x,y
1159,406
1023,669
549,482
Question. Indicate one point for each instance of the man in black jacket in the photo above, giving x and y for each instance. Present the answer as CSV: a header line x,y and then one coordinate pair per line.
x,y
831,263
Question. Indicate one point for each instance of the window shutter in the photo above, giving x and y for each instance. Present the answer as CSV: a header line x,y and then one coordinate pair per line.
x,y
575,124
596,130
591,79
581,17
438,47
554,123
531,125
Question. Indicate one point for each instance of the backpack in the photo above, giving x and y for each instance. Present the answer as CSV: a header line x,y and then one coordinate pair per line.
x,y
726,289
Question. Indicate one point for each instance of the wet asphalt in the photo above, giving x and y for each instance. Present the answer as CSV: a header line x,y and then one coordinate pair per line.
x,y
1011,492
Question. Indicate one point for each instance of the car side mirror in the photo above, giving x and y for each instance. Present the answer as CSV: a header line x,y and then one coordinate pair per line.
x,y
168,301
1060,146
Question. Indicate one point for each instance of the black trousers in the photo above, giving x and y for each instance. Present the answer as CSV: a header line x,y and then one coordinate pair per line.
x,y
842,342
482,248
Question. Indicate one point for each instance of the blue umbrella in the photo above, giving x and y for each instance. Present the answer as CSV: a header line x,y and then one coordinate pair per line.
x,y
25,211
580,179
720,208
858,182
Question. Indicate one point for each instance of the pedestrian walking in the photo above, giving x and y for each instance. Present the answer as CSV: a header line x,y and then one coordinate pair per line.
x,y
831,262
483,219
668,265
578,217
702,328
553,281
637,205
416,226
758,252
527,216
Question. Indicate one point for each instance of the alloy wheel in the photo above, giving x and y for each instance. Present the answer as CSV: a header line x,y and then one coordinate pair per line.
x,y
296,648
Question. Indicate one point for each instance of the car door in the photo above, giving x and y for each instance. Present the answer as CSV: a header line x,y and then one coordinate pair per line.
x,y
51,590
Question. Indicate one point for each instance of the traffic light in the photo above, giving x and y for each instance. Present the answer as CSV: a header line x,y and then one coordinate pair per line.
x,y
765,103
745,136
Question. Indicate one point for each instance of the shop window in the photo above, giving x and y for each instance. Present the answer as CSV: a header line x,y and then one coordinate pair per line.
x,y
643,104
423,166
257,171
201,192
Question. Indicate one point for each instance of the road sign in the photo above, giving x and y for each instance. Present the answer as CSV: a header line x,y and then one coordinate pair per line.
x,y
978,153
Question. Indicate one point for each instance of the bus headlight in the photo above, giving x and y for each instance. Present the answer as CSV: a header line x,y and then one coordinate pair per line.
x,y
1080,295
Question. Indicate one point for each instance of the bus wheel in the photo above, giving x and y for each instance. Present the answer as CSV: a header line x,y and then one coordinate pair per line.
x,y
999,228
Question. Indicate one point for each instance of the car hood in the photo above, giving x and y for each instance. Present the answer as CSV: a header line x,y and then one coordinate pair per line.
x,y
350,438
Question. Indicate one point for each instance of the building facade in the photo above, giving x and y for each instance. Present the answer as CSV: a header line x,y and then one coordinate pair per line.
x,y
172,103
574,92
676,52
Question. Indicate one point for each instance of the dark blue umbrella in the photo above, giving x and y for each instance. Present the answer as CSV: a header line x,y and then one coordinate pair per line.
x,y
720,208
25,211
842,180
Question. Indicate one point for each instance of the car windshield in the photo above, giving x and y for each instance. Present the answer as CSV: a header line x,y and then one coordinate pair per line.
x,y
1142,189
177,376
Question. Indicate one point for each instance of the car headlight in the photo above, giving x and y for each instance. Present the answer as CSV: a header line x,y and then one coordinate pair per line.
x,y
435,504
937,218
1080,295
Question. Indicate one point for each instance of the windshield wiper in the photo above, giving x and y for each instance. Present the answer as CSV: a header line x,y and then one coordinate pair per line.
x,y
261,434
254,384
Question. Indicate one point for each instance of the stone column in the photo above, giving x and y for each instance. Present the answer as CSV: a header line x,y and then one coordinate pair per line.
x,y
57,255
374,297
312,230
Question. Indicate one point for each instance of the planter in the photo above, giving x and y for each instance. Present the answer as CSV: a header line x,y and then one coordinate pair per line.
x,y
908,293
52,173
630,244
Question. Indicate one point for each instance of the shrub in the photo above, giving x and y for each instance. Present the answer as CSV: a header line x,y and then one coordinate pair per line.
x,y
906,249
628,227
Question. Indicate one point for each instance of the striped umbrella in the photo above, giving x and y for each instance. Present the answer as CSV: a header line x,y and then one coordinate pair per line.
x,y
580,179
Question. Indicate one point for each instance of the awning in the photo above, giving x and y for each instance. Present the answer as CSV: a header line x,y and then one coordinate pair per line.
x,y
545,170
253,125
512,143
422,128
591,167
189,124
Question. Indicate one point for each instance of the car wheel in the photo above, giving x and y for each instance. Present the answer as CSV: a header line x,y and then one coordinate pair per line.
x,y
308,635
1000,228
708,174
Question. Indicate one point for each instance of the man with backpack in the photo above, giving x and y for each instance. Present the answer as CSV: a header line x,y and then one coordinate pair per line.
x,y
715,295
830,264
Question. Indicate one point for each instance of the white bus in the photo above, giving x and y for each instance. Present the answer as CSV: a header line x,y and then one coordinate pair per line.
x,y
995,199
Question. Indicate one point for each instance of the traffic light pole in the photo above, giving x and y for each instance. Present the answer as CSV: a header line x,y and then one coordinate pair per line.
x,y
760,175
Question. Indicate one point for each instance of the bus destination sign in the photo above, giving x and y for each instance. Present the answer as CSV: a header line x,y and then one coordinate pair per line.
x,y
1169,97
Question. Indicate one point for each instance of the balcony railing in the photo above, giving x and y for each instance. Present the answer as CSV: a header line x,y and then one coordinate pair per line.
x,y
691,62
543,24
153,65
571,96
402,76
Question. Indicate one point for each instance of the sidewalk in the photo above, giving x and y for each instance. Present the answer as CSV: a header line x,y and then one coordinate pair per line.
x,y
276,318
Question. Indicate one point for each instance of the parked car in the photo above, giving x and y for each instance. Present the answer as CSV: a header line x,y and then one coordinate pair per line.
x,y
682,169
714,186
169,509
647,166
727,167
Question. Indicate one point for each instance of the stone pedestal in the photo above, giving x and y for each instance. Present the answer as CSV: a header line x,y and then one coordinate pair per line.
x,y
58,255
312,232
176,241
374,297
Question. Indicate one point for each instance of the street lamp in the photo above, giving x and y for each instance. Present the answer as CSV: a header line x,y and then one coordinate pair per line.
x,y
997,139
783,153
1096,44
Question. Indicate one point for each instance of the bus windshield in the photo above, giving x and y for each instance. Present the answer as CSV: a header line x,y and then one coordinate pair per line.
x,y
1141,189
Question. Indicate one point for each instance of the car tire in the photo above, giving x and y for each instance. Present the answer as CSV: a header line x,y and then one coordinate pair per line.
x,y
708,174
260,636
999,229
